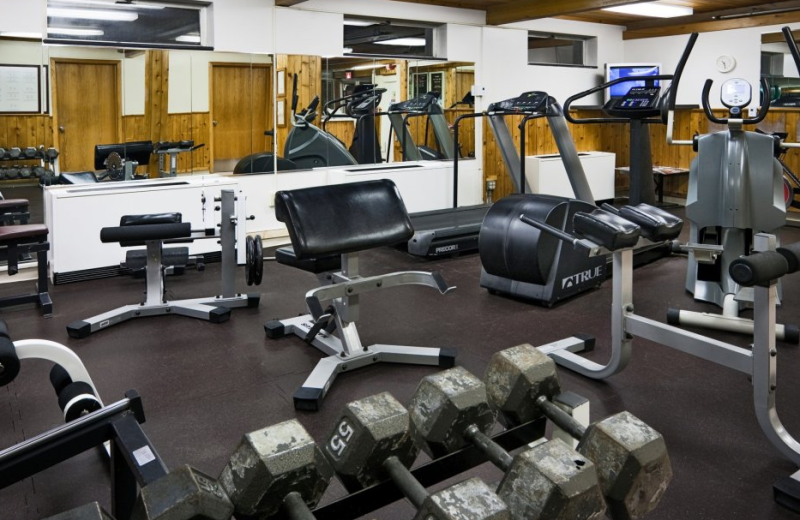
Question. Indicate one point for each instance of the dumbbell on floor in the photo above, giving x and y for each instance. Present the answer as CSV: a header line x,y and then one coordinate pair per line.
x,y
549,481
631,457
374,441
278,468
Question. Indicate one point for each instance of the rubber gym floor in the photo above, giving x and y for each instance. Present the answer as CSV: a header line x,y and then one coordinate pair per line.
x,y
205,385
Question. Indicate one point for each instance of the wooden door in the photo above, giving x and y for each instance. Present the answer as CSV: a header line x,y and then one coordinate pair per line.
x,y
87,109
241,111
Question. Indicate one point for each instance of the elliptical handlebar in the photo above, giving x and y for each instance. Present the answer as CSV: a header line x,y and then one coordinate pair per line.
x,y
334,105
762,113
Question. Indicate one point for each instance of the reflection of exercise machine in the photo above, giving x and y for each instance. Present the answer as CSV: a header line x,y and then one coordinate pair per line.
x,y
154,231
426,106
172,149
735,191
308,146
118,162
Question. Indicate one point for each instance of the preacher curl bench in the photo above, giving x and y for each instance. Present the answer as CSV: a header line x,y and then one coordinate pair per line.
x,y
328,227
153,231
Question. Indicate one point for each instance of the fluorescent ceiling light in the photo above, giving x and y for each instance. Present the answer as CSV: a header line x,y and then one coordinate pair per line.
x,y
104,3
20,34
90,14
358,23
188,38
404,42
74,31
652,9
368,67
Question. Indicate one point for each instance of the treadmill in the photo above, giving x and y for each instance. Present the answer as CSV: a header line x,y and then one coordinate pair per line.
x,y
455,230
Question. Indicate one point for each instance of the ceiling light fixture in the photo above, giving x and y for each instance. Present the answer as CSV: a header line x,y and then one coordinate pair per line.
x,y
358,23
188,38
74,31
91,14
104,3
652,9
368,67
404,42
21,34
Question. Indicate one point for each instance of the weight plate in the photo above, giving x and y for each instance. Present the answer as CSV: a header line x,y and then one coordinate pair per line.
x,y
258,255
249,262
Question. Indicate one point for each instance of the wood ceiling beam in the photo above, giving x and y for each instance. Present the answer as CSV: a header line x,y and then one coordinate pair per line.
x,y
521,10
288,3
778,37
785,12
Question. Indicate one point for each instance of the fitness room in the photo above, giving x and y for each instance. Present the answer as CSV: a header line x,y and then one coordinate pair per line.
x,y
261,168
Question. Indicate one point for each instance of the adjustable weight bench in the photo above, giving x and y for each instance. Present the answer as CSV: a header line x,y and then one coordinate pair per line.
x,y
328,227
20,240
153,231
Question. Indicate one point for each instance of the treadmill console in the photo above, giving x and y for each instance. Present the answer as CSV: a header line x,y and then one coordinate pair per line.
x,y
417,105
529,102
638,102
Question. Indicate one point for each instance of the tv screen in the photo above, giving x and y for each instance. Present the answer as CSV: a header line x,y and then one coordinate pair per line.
x,y
629,70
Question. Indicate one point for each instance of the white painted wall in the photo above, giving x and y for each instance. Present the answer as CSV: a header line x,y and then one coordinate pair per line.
x,y
743,44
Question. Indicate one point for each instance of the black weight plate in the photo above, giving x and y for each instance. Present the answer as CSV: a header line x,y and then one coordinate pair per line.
x,y
249,270
258,274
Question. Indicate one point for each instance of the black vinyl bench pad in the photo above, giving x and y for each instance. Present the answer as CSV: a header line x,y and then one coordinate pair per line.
x,y
343,218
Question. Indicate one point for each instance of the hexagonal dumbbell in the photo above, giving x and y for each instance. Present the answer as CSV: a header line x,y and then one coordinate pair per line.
x,y
25,172
549,481
12,172
14,152
373,440
275,469
29,152
91,511
2,153
631,457
183,494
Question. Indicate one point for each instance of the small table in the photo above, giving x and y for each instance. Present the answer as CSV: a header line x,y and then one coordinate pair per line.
x,y
659,174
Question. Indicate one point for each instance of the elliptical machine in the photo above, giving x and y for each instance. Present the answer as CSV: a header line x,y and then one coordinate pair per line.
x,y
736,190
308,146
426,105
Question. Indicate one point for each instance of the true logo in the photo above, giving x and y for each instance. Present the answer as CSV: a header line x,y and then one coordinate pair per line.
x,y
582,277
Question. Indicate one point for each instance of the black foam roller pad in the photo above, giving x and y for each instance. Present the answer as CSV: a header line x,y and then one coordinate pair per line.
x,y
9,361
59,378
792,255
145,232
4,329
759,268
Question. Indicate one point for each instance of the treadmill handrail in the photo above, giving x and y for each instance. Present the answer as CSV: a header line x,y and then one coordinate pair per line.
x,y
456,123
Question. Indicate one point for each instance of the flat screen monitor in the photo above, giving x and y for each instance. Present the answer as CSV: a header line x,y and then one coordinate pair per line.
x,y
638,72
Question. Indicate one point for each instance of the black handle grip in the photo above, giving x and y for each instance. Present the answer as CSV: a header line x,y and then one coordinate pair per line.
x,y
673,88
707,104
792,255
758,268
313,105
765,104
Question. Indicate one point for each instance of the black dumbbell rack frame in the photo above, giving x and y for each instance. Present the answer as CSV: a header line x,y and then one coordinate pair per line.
x,y
118,423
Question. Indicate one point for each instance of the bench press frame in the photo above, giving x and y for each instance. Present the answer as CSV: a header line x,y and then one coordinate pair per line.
x,y
41,297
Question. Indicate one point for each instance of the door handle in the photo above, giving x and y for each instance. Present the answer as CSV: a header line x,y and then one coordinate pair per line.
x,y
62,129
215,123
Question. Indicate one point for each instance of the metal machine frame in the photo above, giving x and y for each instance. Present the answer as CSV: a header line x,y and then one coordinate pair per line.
x,y
215,309
333,330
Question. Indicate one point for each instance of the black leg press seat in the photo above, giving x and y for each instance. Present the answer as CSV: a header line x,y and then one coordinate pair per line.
x,y
153,231
26,239
328,227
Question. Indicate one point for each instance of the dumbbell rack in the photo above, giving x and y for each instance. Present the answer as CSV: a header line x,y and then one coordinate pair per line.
x,y
48,165
362,502
118,423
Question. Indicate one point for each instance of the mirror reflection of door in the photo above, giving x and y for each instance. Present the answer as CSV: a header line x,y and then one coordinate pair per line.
x,y
240,112
87,98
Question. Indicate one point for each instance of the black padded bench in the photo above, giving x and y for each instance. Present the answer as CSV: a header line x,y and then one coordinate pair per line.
x,y
329,226
26,239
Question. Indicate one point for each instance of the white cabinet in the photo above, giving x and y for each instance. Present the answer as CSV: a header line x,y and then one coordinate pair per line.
x,y
546,174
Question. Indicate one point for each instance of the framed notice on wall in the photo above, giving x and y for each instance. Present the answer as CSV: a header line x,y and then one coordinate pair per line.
x,y
437,83
20,89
